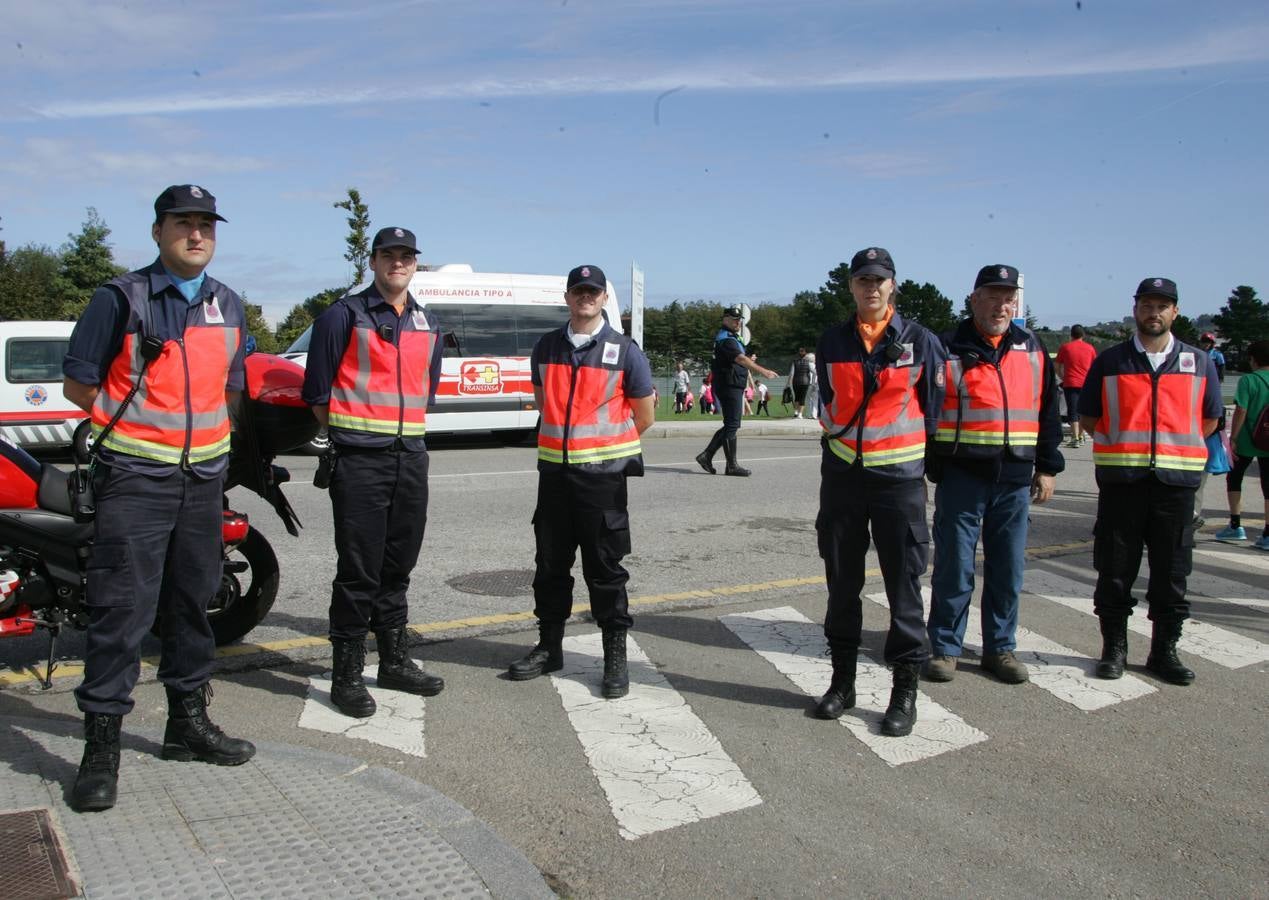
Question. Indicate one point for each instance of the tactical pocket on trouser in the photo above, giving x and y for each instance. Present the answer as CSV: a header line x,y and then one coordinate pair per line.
x,y
110,579
616,532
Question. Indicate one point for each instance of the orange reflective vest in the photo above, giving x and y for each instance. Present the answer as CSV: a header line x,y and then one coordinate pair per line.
x,y
587,421
990,406
1151,421
178,414
383,382
873,413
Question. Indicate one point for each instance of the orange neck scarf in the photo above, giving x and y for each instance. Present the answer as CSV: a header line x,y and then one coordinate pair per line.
x,y
870,332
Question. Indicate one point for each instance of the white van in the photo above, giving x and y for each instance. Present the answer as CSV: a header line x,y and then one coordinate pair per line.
x,y
489,323
33,412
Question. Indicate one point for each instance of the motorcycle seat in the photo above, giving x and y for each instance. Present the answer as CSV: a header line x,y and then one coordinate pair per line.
x,y
52,493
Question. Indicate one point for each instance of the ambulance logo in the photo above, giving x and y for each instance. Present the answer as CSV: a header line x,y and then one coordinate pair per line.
x,y
1004,273
196,192
1158,282
398,232
907,357
871,254
212,313
585,271
36,395
1187,362
480,376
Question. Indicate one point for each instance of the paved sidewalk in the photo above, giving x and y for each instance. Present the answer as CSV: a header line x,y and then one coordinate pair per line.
x,y
695,425
293,822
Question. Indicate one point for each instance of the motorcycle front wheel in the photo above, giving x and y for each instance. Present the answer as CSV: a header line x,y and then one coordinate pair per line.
x,y
248,587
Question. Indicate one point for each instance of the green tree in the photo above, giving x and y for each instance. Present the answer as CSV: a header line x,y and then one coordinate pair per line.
x,y
28,283
86,263
302,315
1244,318
257,327
926,304
358,226
1185,329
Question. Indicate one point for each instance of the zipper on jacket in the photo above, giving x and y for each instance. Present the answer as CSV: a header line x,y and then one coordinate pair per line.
x,y
575,365
189,413
1004,402
396,338
1154,415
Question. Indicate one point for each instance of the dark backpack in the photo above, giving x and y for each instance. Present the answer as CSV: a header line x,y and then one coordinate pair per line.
x,y
1259,432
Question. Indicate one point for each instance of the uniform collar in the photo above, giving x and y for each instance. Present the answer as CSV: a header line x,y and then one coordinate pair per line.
x,y
375,300
160,280
1166,351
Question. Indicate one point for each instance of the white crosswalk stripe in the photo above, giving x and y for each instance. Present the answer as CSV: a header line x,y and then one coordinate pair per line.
x,y
397,723
1065,673
656,761
795,646
1210,585
1218,645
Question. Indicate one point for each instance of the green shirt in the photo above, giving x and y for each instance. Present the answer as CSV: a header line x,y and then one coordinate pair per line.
x,y
1251,395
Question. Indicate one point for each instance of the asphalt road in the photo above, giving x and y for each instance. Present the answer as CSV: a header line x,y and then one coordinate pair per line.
x,y
1161,795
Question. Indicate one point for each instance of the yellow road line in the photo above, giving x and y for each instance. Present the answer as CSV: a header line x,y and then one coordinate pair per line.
x,y
67,670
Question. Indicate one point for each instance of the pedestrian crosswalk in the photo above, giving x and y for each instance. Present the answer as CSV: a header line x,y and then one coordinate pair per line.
x,y
660,766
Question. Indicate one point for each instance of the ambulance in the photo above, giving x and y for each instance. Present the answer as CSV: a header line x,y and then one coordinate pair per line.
x,y
489,323
33,412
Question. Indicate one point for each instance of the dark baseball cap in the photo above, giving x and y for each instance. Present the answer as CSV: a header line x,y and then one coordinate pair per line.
x,y
991,276
872,261
185,198
1161,287
732,312
394,237
587,276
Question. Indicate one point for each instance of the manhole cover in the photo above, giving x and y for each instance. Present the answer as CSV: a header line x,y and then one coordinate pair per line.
x,y
32,864
502,583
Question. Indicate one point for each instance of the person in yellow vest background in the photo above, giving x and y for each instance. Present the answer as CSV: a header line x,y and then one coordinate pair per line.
x,y
161,455
994,454
1149,403
374,363
593,386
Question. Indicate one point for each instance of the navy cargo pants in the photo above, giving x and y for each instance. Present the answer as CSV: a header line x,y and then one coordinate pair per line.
x,y
850,501
157,548
587,511
379,499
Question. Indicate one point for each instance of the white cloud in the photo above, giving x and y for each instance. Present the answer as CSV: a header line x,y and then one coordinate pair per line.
x,y
54,158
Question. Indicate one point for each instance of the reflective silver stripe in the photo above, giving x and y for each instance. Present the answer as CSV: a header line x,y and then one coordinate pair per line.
x,y
369,398
171,421
361,384
996,415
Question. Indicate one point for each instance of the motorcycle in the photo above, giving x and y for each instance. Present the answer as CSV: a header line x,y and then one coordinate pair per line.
x,y
44,549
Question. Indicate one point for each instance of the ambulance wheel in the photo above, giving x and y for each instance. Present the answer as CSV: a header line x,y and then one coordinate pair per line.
x,y
82,441
248,587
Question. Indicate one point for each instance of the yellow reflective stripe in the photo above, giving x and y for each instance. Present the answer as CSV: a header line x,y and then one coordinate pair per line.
x,y
1142,460
162,452
377,426
845,451
890,457
593,454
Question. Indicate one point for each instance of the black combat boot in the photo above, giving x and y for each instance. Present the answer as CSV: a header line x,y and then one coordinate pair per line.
x,y
706,457
398,671
547,656
1114,647
191,735
733,467
841,691
901,713
347,685
98,779
616,679
1163,660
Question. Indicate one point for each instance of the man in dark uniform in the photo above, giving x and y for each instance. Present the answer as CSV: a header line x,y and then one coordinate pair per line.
x,y
994,454
728,369
881,385
374,363
594,388
1149,403
176,335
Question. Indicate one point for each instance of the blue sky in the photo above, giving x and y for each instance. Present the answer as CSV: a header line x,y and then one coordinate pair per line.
x,y
1090,145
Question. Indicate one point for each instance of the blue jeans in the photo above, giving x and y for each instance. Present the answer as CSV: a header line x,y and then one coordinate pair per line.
x,y
964,507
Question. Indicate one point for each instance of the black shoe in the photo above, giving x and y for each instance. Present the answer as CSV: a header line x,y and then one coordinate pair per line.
x,y
1163,660
616,678
733,467
347,684
400,673
840,695
96,785
706,462
191,735
1114,647
901,713
547,656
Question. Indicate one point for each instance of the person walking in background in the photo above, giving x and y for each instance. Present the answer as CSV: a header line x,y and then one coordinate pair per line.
x,y
1150,402
594,388
681,381
707,395
764,395
730,370
881,378
801,374
1250,400
812,407
1073,359
994,454
1207,343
